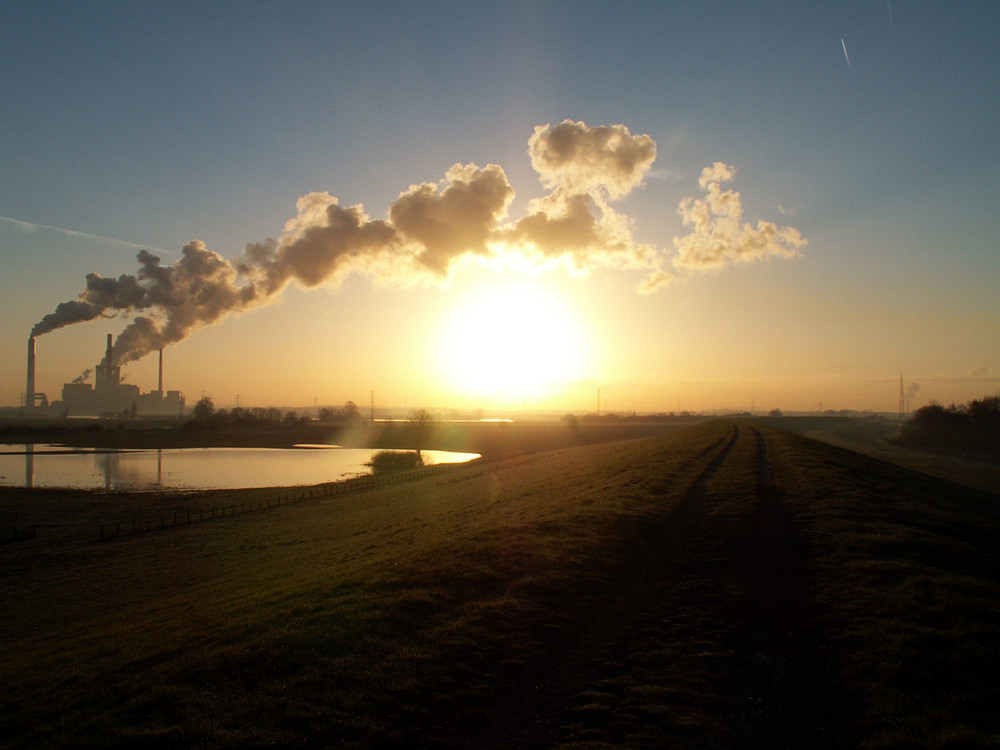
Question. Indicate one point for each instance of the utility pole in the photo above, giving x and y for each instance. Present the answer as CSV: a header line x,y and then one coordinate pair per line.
x,y
902,398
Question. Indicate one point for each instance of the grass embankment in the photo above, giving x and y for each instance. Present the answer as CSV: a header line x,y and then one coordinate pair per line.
x,y
727,586
492,439
908,571
877,437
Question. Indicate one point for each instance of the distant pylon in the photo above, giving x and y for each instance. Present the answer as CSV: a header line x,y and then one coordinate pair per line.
x,y
902,397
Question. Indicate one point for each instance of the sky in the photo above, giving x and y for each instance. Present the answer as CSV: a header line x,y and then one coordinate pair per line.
x,y
520,205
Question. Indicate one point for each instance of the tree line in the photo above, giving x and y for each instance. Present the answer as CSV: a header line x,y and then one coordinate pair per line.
x,y
973,425
204,414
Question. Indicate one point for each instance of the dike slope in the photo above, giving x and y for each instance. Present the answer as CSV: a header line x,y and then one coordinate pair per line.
x,y
729,585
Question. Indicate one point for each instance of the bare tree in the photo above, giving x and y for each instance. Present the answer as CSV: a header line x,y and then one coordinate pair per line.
x,y
421,425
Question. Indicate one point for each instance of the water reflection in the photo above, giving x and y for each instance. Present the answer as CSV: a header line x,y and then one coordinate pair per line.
x,y
201,468
109,462
29,464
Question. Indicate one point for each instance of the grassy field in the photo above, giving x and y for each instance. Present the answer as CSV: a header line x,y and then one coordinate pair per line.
x,y
728,585
876,437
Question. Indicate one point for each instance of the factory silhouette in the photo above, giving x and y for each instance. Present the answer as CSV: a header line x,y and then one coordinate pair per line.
x,y
107,396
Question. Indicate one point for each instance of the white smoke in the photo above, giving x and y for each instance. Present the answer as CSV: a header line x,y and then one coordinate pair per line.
x,y
718,235
440,226
575,158
430,230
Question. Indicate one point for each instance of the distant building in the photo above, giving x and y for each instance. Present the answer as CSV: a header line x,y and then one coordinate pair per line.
x,y
109,395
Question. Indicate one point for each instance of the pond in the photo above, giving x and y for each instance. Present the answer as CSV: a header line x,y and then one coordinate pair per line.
x,y
190,468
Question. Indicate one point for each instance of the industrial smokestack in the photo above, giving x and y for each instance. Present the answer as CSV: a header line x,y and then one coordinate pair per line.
x,y
159,383
29,391
109,372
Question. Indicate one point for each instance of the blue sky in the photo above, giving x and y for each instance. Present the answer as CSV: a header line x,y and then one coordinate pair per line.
x,y
156,124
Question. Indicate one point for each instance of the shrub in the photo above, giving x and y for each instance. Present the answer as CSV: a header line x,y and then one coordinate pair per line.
x,y
385,462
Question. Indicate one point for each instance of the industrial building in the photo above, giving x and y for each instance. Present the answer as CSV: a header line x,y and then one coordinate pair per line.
x,y
107,396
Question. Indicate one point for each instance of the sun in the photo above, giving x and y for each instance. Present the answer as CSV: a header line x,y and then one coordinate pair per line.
x,y
512,341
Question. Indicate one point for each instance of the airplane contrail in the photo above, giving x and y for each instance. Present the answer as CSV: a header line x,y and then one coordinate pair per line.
x,y
31,226
846,56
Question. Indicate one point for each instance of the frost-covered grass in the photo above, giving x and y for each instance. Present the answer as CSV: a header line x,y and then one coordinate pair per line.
x,y
629,594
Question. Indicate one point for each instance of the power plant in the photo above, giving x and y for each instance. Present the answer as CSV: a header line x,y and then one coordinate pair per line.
x,y
108,396
29,392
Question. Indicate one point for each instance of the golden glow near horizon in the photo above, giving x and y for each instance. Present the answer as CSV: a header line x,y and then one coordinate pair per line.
x,y
311,252
511,341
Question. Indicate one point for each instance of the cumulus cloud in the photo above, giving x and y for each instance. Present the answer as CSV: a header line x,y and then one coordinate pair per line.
x,y
578,158
586,169
655,280
442,225
718,234
431,230
717,172
579,231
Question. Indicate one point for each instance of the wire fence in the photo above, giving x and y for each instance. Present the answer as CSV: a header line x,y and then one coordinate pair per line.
x,y
10,534
169,519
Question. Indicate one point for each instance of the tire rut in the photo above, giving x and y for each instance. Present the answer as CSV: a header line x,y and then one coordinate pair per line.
x,y
713,591
605,635
785,686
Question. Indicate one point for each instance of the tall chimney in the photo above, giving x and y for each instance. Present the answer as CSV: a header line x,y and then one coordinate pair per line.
x,y
160,381
109,373
29,391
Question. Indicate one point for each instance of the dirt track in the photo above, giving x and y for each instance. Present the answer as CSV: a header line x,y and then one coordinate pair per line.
x,y
723,569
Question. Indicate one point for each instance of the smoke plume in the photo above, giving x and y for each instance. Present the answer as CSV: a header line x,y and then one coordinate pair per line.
x,y
578,159
719,237
429,231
